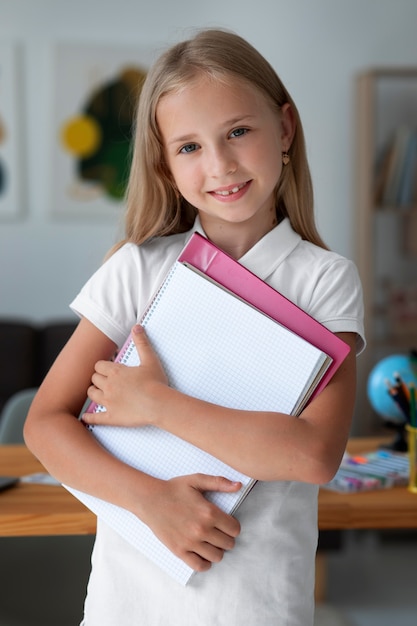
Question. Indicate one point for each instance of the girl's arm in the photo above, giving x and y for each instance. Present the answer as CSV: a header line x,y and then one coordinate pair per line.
x,y
264,445
176,511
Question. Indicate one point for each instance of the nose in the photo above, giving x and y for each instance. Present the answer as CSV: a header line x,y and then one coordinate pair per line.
x,y
221,162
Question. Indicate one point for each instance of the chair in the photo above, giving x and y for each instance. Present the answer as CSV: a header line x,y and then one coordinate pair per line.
x,y
42,579
13,416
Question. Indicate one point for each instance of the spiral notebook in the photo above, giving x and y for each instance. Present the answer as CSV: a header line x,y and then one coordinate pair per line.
x,y
204,255
217,347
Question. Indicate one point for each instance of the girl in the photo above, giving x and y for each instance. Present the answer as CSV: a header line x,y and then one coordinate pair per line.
x,y
219,149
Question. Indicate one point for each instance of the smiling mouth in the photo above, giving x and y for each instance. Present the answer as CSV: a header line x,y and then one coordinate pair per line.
x,y
230,192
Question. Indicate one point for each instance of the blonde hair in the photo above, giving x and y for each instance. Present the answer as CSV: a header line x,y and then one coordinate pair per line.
x,y
154,207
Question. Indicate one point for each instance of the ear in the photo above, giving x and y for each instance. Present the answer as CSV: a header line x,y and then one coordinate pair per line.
x,y
288,125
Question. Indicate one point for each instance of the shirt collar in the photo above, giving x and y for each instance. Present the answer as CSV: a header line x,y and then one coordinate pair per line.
x,y
270,251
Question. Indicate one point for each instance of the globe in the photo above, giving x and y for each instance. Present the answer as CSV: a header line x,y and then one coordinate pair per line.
x,y
377,390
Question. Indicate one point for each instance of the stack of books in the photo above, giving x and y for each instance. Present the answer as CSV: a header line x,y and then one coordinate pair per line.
x,y
380,469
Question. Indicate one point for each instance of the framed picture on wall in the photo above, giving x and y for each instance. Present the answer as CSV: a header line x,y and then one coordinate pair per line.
x,y
10,167
95,92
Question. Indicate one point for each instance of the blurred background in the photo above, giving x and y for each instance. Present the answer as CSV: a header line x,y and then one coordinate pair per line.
x,y
61,207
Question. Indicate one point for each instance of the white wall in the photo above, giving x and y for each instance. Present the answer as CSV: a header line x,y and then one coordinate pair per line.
x,y
317,46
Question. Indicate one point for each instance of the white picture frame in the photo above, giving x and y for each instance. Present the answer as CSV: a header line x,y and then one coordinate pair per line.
x,y
80,73
10,166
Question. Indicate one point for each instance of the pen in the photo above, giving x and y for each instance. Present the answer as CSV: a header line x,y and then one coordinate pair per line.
x,y
413,362
401,386
413,409
397,394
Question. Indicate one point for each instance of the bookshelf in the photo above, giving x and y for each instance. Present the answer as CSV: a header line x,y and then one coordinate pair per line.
x,y
386,218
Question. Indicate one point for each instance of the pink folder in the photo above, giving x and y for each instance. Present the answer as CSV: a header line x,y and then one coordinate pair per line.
x,y
216,264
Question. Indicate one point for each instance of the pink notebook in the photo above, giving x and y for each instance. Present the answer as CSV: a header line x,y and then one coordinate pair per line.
x,y
215,263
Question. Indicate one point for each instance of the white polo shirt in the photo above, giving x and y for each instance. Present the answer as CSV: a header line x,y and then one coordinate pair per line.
x,y
268,578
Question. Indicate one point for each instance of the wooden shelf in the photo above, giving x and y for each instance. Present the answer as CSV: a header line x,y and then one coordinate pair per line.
x,y
386,101
403,211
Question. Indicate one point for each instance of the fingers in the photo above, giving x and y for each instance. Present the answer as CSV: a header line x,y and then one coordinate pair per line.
x,y
206,543
98,379
142,343
205,482
222,523
147,355
208,482
208,553
210,550
192,527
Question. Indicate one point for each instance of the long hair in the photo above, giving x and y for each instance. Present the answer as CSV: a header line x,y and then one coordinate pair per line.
x,y
153,206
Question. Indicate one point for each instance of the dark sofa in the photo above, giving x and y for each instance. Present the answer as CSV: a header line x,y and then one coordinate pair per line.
x,y
27,351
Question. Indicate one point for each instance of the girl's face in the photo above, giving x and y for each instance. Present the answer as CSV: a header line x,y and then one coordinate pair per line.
x,y
223,142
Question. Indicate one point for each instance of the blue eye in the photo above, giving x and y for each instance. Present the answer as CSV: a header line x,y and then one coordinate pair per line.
x,y
190,147
238,132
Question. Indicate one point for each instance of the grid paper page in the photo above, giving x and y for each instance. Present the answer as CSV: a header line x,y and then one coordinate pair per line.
x,y
258,364
215,347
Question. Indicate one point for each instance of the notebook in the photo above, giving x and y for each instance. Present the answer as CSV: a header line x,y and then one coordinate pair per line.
x,y
190,322
216,264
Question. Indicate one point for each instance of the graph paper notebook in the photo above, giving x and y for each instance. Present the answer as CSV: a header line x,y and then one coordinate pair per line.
x,y
215,263
190,322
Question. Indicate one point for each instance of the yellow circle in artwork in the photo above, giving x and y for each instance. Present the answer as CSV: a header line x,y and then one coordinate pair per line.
x,y
81,135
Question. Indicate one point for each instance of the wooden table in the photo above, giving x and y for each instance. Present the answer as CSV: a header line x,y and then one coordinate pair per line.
x,y
376,510
380,509
29,509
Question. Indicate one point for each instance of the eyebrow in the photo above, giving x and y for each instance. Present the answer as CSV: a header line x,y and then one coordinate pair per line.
x,y
239,119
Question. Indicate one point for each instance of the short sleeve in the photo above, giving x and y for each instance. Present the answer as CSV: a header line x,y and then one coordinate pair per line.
x,y
110,298
338,301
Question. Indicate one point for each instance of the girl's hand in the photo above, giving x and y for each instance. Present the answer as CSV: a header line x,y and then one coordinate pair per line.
x,y
193,528
128,393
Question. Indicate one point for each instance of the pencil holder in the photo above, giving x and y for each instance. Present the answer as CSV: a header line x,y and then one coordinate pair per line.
x,y
412,455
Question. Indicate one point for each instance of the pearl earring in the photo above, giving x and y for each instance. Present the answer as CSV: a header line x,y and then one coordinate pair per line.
x,y
285,158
